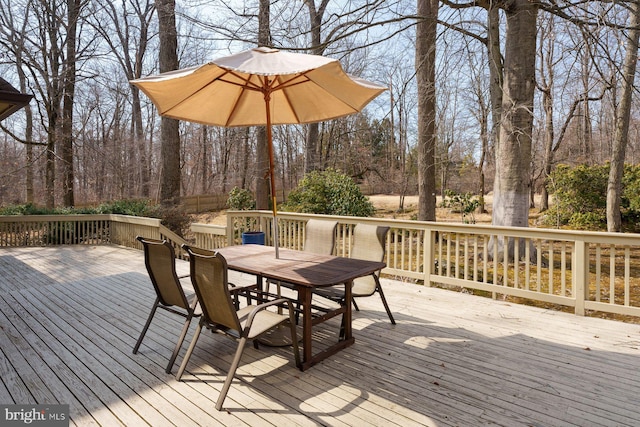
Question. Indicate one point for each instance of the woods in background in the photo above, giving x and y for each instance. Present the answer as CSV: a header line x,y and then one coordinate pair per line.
x,y
472,101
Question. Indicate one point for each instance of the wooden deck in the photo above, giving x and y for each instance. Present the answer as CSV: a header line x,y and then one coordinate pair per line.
x,y
69,317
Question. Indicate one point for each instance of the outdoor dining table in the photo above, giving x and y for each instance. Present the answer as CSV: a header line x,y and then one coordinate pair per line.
x,y
305,271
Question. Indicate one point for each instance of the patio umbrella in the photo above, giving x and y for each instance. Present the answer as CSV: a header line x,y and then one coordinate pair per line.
x,y
260,87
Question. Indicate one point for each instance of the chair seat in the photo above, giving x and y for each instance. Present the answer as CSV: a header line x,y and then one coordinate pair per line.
x,y
263,321
334,293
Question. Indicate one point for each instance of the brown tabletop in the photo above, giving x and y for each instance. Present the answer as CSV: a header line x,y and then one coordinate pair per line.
x,y
306,271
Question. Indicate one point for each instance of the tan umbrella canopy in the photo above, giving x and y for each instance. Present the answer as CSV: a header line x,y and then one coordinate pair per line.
x,y
260,87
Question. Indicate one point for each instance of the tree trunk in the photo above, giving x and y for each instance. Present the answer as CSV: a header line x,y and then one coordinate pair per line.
x,y
425,75
547,102
262,147
512,184
614,185
513,151
138,132
170,135
484,137
496,70
312,158
69,73
28,133
204,132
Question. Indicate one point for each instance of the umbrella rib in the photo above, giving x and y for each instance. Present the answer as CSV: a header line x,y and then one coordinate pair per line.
x,y
291,82
246,82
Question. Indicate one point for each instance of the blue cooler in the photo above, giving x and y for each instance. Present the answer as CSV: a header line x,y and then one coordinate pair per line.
x,y
253,238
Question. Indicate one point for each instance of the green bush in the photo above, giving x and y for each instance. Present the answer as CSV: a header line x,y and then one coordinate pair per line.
x,y
329,192
125,207
27,209
122,207
465,204
241,199
580,197
174,217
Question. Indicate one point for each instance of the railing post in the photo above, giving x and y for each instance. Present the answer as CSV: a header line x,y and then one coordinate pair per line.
x,y
580,267
264,226
428,262
230,230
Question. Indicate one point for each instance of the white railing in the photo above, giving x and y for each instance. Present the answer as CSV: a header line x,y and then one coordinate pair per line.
x,y
47,230
582,270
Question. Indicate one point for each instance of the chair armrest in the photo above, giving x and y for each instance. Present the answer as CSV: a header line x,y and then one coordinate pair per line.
x,y
265,305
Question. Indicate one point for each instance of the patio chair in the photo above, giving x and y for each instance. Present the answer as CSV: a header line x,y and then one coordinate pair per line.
x,y
368,244
160,260
209,278
236,290
319,238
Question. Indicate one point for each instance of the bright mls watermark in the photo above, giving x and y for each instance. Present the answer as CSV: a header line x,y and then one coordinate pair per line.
x,y
34,415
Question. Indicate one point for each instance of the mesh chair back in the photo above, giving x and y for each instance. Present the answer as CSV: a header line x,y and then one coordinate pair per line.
x,y
209,278
159,258
320,236
369,243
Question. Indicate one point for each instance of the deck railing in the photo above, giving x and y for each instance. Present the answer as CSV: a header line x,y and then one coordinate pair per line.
x,y
582,270
47,230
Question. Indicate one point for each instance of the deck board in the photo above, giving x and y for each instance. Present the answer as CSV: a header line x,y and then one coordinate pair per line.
x,y
69,317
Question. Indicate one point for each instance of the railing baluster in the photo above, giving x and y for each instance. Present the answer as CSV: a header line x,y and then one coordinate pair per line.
x,y
627,274
612,274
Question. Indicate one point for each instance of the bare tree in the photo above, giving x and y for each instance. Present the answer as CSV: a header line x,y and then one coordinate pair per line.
x,y
44,57
262,148
69,77
125,30
425,76
14,39
170,137
614,184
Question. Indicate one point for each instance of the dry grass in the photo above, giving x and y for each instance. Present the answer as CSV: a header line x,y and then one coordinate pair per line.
x,y
387,206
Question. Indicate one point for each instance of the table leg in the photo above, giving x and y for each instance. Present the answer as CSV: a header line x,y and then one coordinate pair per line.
x,y
348,312
304,297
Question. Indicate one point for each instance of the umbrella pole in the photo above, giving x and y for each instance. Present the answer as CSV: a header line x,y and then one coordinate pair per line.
x,y
267,99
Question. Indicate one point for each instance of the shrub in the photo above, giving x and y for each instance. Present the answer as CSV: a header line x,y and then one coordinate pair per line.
x,y
580,197
27,209
329,192
465,204
241,199
122,207
174,217
125,207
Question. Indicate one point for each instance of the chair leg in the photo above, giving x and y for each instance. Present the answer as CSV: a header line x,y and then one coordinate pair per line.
x,y
231,374
187,356
294,335
384,302
146,326
176,350
353,300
